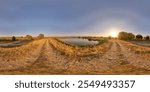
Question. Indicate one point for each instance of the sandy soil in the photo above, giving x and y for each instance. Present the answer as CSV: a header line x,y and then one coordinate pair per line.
x,y
117,59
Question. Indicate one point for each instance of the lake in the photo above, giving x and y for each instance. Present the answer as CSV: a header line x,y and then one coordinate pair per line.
x,y
78,41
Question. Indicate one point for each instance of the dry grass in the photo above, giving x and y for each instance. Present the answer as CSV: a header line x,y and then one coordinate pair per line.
x,y
19,56
140,50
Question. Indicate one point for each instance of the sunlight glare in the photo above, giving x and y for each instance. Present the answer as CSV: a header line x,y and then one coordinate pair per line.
x,y
114,32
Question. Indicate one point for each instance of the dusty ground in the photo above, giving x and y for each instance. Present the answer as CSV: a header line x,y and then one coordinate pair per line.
x,y
117,59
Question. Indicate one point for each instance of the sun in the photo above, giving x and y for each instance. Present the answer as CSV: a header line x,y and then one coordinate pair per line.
x,y
114,34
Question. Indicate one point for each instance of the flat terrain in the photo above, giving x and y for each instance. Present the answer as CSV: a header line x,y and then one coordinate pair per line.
x,y
48,56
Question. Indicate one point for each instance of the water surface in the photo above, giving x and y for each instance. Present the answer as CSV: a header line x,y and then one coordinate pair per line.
x,y
78,41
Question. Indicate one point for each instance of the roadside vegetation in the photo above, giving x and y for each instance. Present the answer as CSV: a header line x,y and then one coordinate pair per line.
x,y
138,43
101,40
135,39
132,37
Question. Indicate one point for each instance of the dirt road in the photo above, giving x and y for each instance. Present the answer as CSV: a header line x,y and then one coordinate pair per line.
x,y
118,59
123,61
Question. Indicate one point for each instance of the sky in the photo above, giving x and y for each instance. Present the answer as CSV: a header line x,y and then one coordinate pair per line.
x,y
74,17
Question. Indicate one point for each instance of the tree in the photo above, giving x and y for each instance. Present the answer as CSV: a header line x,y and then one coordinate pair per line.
x,y
122,35
29,37
139,37
13,38
147,37
40,36
126,36
130,36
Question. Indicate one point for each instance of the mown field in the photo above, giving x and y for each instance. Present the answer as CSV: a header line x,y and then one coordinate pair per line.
x,y
52,56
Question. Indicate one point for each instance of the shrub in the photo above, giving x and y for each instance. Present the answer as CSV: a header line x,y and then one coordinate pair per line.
x,y
29,37
40,36
139,37
13,38
147,38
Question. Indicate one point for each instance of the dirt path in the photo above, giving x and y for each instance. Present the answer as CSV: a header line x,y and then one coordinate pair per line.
x,y
49,61
123,61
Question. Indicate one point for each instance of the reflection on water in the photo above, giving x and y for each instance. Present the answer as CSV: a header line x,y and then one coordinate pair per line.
x,y
143,43
78,41
14,44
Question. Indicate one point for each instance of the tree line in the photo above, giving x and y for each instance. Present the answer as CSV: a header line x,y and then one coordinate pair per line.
x,y
131,36
29,37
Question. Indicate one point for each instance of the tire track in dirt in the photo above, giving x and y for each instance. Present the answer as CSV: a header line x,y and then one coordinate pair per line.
x,y
49,62
113,57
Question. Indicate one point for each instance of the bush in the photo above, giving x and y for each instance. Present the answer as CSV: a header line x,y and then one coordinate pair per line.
x,y
29,37
13,38
147,38
139,37
40,36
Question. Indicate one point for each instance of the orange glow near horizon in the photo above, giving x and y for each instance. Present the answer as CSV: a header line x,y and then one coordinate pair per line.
x,y
114,32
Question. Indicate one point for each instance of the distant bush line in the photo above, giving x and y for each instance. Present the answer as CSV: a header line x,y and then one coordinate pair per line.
x,y
131,36
27,37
